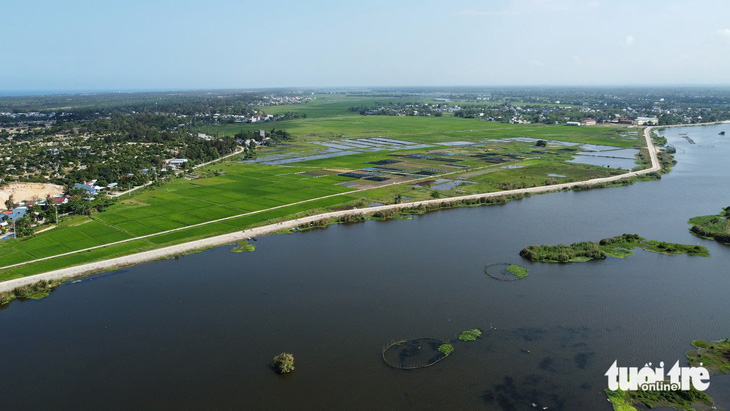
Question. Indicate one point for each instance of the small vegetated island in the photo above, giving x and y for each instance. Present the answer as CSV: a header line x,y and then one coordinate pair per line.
x,y
620,246
470,335
506,271
446,349
714,227
713,355
244,247
517,270
283,363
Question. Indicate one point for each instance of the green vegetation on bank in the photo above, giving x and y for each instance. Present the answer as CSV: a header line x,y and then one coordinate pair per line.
x,y
714,355
681,400
517,270
34,291
714,227
619,246
470,335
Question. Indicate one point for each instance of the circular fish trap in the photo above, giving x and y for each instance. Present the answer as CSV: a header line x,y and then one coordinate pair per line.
x,y
498,271
413,354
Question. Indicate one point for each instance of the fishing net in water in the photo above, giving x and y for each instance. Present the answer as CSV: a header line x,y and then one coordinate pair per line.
x,y
412,354
499,271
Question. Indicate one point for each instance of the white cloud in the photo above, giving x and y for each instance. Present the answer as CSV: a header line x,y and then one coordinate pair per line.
x,y
577,59
630,40
537,63
724,33
593,4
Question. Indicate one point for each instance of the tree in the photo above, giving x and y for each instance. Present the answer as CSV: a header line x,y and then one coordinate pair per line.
x,y
251,151
79,202
283,363
541,143
9,202
23,226
49,213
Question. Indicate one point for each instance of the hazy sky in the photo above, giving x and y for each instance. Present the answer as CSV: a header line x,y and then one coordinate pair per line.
x,y
165,44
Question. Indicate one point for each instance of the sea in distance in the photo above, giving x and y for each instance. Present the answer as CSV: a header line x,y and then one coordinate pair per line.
x,y
199,332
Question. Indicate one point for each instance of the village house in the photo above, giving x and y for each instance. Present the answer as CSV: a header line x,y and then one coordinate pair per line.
x,y
14,214
59,200
177,163
90,187
646,121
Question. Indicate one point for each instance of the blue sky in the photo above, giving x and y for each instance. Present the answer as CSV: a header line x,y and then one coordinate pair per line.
x,y
164,44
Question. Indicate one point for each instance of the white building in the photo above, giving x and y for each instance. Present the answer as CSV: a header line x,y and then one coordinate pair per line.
x,y
646,121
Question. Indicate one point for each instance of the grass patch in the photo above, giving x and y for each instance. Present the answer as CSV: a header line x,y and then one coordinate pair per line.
x,y
470,335
518,271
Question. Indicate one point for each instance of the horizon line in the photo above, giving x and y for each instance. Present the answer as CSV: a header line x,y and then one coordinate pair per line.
x,y
55,92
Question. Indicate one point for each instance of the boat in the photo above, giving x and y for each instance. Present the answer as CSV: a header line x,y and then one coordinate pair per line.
x,y
722,133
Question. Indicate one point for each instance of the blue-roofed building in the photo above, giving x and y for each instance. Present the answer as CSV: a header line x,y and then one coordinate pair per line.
x,y
13,215
89,188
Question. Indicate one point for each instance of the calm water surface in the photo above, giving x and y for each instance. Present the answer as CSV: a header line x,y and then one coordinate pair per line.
x,y
199,332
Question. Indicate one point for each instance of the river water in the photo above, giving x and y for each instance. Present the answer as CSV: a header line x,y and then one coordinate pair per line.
x,y
199,332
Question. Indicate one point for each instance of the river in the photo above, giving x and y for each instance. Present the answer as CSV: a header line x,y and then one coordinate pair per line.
x,y
198,332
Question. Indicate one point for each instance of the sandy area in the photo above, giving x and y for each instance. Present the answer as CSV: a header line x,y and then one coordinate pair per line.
x,y
171,251
28,191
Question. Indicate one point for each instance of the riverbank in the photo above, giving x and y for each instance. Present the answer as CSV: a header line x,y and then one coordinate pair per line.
x,y
230,238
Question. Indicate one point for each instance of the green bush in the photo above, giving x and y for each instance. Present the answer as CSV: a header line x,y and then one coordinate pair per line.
x,y
283,363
